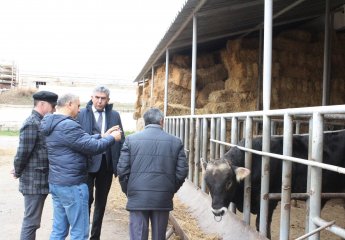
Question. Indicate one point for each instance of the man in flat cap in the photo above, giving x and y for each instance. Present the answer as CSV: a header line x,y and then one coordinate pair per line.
x,y
31,164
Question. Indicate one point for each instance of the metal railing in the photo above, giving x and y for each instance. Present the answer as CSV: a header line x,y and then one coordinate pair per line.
x,y
207,136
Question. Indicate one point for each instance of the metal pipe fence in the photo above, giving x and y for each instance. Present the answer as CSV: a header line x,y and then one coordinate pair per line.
x,y
208,137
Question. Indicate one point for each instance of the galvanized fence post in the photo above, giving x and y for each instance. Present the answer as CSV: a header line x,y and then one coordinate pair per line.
x,y
234,140
286,179
248,164
222,135
316,174
213,136
204,149
197,153
265,175
191,148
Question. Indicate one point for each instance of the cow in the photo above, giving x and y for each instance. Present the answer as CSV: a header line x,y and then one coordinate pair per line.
x,y
224,177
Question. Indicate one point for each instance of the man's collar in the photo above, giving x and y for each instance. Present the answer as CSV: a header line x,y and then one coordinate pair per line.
x,y
95,110
153,126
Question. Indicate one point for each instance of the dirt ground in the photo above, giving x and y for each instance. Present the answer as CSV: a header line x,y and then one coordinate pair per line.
x,y
115,222
333,210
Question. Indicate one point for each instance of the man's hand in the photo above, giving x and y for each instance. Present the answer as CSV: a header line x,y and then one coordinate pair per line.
x,y
112,129
13,174
116,134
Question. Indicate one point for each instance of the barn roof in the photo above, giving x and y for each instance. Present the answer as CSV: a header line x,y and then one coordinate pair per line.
x,y
218,20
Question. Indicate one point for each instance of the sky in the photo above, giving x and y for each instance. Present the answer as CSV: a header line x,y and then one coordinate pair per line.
x,y
112,38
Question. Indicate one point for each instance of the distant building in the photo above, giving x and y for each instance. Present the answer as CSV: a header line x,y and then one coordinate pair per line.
x,y
8,75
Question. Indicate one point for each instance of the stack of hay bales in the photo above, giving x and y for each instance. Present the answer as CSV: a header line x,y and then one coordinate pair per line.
x,y
239,89
297,70
228,79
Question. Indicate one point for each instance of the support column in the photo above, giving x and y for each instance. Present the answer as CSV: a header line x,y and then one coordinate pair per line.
x,y
166,82
267,69
194,60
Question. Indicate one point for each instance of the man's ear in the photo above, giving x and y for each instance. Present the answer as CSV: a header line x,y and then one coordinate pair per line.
x,y
161,122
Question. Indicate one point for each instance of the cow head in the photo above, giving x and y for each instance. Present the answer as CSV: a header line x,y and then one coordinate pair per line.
x,y
222,178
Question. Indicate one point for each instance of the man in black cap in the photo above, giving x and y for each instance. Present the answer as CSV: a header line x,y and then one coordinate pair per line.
x,y
31,164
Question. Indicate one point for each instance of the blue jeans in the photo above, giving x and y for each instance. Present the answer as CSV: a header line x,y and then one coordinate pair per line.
x,y
71,210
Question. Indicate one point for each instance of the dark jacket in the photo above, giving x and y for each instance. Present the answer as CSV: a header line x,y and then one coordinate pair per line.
x,y
68,146
87,121
152,167
31,160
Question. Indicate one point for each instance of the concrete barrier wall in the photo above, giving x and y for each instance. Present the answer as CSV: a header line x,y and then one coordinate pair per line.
x,y
199,204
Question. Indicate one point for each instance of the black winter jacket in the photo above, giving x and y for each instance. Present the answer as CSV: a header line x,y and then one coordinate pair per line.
x,y
151,168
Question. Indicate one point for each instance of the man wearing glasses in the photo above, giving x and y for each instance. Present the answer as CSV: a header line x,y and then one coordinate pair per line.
x,y
31,164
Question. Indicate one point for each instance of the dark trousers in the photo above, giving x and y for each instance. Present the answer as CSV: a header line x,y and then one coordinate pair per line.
x,y
101,182
139,224
33,204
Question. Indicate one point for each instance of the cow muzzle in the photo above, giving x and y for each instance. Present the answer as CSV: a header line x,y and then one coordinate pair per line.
x,y
219,212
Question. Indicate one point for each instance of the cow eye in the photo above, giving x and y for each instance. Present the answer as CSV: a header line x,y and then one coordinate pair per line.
x,y
228,185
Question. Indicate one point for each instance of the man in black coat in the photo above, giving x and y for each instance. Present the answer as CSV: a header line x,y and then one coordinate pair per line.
x,y
151,168
98,117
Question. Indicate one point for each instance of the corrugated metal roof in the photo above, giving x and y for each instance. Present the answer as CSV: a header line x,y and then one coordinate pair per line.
x,y
221,19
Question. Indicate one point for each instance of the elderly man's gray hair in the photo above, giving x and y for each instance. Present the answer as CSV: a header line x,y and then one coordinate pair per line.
x,y
64,99
102,89
153,116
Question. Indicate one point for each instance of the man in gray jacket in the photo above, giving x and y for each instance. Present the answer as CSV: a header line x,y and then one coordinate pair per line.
x,y
151,168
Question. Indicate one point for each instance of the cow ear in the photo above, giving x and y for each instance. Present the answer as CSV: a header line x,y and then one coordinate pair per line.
x,y
241,173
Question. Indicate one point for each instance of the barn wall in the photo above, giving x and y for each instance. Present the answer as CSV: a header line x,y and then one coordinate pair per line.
x,y
227,80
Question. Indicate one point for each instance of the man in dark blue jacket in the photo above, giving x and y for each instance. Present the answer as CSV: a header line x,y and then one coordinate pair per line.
x,y
69,147
152,167
98,117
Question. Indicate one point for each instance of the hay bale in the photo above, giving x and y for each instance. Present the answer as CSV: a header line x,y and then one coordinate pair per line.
x,y
140,124
248,55
202,96
206,60
137,114
181,77
212,74
250,43
233,46
173,109
297,35
224,101
220,96
178,95
147,88
182,61
275,70
290,45
296,72
139,91
211,108
237,84
178,110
